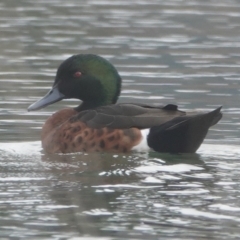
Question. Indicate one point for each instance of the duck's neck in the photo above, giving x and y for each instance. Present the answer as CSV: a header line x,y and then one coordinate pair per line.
x,y
91,105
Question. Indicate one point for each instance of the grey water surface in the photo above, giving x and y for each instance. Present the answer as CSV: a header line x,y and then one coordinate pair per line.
x,y
176,51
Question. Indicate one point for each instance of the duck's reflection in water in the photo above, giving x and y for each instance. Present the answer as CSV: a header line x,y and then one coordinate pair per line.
x,y
86,187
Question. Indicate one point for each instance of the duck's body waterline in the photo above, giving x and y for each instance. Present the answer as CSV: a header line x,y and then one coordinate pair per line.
x,y
99,124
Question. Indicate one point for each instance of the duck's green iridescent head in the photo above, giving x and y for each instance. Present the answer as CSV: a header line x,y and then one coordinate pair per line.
x,y
87,77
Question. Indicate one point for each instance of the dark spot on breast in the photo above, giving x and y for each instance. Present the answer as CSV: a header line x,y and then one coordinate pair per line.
x,y
76,129
116,147
99,132
64,135
124,149
102,144
86,133
65,146
80,139
73,145
111,138
93,144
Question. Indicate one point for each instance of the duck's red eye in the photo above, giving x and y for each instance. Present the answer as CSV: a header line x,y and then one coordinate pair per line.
x,y
77,74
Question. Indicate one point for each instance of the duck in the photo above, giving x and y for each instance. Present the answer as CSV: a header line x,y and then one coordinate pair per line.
x,y
100,124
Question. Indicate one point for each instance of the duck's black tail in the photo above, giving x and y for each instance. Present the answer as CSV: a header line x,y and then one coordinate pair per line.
x,y
182,134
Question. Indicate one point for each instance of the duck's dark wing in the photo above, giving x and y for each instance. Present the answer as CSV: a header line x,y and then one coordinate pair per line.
x,y
122,116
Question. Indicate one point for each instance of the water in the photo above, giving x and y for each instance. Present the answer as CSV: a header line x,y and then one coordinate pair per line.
x,y
184,52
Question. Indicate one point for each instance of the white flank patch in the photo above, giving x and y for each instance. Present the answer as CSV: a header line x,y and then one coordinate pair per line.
x,y
143,145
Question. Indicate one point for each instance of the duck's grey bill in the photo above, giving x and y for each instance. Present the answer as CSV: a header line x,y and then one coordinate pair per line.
x,y
51,97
